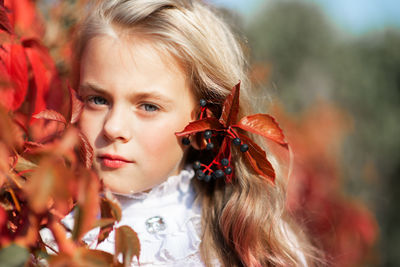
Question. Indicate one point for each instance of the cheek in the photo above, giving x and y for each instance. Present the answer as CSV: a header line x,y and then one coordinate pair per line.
x,y
90,126
161,140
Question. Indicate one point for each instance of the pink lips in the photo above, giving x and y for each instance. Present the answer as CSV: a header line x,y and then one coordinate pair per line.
x,y
113,161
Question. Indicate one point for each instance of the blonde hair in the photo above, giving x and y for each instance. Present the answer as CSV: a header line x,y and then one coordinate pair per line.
x,y
244,223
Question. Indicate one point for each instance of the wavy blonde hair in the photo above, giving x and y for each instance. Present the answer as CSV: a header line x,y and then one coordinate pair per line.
x,y
244,222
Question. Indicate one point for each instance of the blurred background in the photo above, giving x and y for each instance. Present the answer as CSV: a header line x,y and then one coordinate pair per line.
x,y
333,67
329,70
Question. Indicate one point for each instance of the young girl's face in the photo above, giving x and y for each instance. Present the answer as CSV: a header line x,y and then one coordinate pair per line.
x,y
135,98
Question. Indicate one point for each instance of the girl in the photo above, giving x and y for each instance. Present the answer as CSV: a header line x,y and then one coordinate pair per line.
x,y
143,67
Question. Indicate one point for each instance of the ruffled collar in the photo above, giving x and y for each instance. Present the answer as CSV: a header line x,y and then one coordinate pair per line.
x,y
179,182
175,241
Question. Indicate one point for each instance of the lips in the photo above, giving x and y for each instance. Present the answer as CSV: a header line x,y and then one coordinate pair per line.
x,y
113,161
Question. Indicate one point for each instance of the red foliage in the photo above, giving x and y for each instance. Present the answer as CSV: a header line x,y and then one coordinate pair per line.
x,y
42,177
227,125
26,67
344,227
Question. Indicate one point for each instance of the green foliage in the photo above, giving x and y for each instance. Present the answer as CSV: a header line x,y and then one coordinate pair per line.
x,y
20,256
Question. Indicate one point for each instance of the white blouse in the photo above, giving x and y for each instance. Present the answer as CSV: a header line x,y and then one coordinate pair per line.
x,y
168,224
166,219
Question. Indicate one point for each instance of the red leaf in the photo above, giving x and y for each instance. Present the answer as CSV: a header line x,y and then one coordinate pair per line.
x,y
47,87
41,77
82,257
65,244
110,210
24,18
13,64
127,243
76,106
231,107
51,115
200,126
4,21
87,204
264,125
85,150
257,158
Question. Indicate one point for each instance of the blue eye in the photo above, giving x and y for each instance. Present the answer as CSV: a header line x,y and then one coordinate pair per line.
x,y
98,100
150,107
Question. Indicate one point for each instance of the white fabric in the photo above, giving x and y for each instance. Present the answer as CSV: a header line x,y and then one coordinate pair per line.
x,y
178,244
173,200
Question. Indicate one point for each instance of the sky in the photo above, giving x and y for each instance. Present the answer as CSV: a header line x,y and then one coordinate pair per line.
x,y
355,16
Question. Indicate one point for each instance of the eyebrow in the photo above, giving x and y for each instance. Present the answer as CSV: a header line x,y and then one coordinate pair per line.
x,y
89,86
137,96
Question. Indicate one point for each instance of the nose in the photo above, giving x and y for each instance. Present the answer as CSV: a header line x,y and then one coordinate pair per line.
x,y
116,127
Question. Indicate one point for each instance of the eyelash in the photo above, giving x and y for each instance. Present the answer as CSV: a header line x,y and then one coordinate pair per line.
x,y
147,107
92,99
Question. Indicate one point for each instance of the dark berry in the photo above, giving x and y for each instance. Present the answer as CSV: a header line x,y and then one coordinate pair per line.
x,y
196,165
200,174
207,178
203,102
210,146
185,141
237,141
218,173
228,170
244,147
225,162
207,134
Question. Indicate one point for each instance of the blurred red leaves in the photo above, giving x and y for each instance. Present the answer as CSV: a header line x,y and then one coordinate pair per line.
x,y
343,227
44,160
25,64
24,19
14,64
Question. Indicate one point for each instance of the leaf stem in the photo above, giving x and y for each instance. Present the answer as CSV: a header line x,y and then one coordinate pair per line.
x,y
16,202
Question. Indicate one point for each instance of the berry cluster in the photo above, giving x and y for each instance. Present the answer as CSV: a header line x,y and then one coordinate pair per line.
x,y
219,166
220,133
204,172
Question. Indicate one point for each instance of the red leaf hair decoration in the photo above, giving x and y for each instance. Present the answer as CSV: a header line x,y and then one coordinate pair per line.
x,y
226,127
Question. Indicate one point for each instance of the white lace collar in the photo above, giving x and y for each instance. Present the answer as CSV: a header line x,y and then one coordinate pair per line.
x,y
175,244
177,182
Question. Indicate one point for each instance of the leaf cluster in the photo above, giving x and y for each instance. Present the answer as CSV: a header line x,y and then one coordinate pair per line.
x,y
45,162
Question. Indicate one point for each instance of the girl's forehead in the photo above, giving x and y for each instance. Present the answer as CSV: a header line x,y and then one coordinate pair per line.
x,y
131,63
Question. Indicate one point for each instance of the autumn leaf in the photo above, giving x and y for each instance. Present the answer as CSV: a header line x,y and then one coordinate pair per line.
x,y
85,150
201,126
4,21
41,78
260,124
24,166
111,213
12,137
126,243
83,257
264,125
231,107
76,106
256,157
24,18
51,115
47,184
14,65
87,204
65,245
